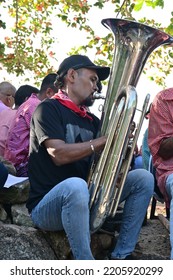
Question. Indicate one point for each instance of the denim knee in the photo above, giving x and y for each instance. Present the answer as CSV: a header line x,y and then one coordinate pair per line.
x,y
144,180
77,190
147,181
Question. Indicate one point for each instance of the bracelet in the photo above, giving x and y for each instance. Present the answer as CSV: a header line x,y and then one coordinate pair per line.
x,y
92,147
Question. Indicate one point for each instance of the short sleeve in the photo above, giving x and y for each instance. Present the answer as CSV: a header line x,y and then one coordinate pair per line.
x,y
47,122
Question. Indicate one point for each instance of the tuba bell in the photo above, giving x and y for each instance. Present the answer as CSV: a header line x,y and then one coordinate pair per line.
x,y
134,42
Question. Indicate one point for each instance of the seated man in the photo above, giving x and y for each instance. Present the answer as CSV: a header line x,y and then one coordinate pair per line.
x,y
17,144
63,140
7,116
7,94
160,142
145,149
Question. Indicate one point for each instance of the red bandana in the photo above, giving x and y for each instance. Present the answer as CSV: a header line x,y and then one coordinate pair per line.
x,y
67,102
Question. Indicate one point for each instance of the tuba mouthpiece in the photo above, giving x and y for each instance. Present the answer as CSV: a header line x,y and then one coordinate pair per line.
x,y
98,96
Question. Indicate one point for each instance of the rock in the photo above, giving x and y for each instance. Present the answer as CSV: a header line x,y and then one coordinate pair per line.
x,y
23,243
101,244
59,243
3,214
20,215
15,194
10,167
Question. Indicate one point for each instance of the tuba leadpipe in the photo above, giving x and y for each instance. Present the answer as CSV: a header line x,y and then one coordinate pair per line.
x,y
134,42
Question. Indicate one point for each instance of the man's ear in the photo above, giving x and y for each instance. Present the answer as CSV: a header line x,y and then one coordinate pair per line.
x,y
9,101
71,74
49,93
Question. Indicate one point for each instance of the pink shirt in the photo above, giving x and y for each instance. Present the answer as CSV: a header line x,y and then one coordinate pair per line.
x,y
161,127
17,147
3,106
6,118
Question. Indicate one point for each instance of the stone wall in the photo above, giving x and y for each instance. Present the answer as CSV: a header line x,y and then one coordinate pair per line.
x,y
19,240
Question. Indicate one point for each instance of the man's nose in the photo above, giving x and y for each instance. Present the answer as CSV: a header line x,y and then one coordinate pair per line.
x,y
96,89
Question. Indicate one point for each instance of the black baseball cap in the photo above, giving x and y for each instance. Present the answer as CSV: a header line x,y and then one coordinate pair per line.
x,y
81,61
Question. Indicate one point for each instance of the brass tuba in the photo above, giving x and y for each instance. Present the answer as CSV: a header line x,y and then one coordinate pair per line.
x,y
134,42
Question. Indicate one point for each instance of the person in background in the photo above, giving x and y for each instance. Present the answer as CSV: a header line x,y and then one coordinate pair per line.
x,y
160,141
3,174
7,116
62,142
136,162
17,144
7,94
146,155
23,93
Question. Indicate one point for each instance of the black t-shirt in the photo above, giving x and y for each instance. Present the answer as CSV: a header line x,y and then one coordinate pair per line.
x,y
52,120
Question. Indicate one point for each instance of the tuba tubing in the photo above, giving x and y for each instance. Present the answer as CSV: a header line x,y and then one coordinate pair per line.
x,y
128,160
134,42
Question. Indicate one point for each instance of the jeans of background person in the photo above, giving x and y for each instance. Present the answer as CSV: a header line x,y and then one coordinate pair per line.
x,y
137,192
3,174
66,206
169,189
145,151
137,162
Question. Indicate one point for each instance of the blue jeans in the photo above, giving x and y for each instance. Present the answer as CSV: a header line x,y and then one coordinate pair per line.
x,y
66,207
137,192
169,189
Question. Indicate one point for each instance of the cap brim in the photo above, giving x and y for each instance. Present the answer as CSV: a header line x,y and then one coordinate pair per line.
x,y
102,72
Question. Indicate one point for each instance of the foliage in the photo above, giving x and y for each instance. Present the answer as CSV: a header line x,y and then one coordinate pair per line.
x,y
29,45
151,3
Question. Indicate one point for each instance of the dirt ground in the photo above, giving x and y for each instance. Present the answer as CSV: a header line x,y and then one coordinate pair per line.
x,y
154,242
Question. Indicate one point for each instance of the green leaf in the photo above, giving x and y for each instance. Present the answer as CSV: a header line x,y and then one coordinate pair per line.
x,y
156,3
138,5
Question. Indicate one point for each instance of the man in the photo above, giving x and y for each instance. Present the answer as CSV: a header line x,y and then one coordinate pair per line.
x,y
7,94
160,142
17,144
62,141
7,116
145,149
